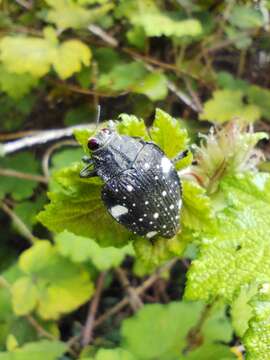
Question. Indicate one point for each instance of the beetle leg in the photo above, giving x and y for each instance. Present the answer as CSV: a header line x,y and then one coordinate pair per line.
x,y
86,172
87,160
180,156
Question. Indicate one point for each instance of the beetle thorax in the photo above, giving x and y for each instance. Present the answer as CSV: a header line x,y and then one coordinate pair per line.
x,y
115,156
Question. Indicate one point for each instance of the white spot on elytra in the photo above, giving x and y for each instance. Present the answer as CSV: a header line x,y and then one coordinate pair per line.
x,y
151,234
133,204
140,219
146,166
151,222
144,215
180,204
164,193
156,215
118,210
166,164
171,206
129,188
164,226
156,177
146,202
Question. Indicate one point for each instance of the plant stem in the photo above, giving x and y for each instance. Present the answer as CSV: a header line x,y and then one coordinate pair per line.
x,y
134,299
18,222
89,325
139,290
22,175
194,337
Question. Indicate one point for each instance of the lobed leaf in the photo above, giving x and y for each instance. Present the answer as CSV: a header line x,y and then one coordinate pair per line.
x,y
80,249
239,253
257,337
68,14
167,340
228,105
18,188
39,54
50,284
41,350
16,86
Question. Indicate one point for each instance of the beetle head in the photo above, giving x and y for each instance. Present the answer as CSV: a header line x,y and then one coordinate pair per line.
x,y
102,138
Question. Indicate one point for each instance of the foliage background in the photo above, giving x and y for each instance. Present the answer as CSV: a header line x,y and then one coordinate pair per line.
x,y
204,62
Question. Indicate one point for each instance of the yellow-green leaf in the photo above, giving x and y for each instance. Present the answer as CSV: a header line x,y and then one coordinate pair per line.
x,y
51,284
228,105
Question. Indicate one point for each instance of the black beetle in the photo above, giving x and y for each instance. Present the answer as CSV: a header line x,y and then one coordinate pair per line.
x,y
142,189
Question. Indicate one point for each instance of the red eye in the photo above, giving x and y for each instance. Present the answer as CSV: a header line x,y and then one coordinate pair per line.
x,y
93,144
105,130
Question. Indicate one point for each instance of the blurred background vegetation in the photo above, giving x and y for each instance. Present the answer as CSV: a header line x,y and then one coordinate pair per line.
x,y
204,62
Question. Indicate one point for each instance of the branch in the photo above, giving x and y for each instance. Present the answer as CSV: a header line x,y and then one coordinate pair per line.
x,y
22,175
48,153
25,4
39,329
89,325
139,290
194,337
41,138
18,222
134,299
108,39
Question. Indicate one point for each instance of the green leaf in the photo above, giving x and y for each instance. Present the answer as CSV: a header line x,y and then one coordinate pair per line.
x,y
170,135
112,354
132,126
241,309
257,338
256,95
69,58
261,98
14,111
67,14
18,188
239,253
25,296
12,343
16,85
158,22
80,249
167,339
152,255
27,210
154,86
77,207
245,17
136,37
122,77
228,105
40,54
169,27
82,136
40,350
197,211
51,284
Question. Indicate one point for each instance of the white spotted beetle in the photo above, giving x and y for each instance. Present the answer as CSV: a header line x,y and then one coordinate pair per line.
x,y
142,189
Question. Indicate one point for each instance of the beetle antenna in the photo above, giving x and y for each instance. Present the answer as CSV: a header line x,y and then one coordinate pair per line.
x,y
98,116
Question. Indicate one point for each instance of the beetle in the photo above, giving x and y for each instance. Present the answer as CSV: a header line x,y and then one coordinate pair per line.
x,y
142,190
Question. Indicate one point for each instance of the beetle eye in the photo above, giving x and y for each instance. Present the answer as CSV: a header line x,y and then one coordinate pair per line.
x,y
105,131
93,144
